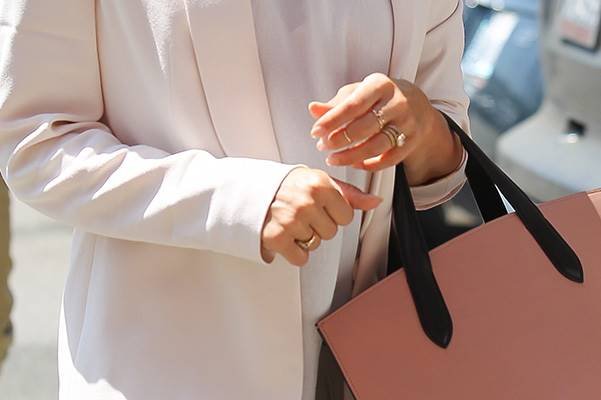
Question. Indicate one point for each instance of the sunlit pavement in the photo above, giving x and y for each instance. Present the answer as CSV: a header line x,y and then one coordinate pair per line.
x,y
40,257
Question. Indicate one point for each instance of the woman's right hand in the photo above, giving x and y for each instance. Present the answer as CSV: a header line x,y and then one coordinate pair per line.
x,y
309,202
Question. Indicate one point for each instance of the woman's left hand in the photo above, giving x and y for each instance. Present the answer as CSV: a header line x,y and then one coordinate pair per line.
x,y
349,126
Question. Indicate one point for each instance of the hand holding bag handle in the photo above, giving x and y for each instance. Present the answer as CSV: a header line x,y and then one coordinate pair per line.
x,y
483,175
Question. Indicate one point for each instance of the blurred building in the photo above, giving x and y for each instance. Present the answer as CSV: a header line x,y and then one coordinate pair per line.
x,y
556,151
533,72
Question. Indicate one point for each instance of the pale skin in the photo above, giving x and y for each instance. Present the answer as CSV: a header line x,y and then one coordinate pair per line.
x,y
310,202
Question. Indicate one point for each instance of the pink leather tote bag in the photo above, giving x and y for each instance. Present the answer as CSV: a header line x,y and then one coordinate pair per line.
x,y
510,310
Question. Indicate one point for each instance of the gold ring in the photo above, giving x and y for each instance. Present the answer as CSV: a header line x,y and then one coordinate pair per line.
x,y
391,137
395,135
346,136
307,245
380,117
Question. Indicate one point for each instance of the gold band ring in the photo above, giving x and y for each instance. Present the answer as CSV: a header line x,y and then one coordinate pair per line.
x,y
379,114
346,136
308,245
390,136
396,137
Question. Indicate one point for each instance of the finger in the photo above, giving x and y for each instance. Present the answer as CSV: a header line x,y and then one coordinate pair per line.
x,y
365,96
317,108
356,198
314,239
339,209
361,128
388,159
335,204
394,155
357,131
300,230
373,147
295,255
323,224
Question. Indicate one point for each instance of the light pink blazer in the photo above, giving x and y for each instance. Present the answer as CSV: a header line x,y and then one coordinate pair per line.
x,y
129,120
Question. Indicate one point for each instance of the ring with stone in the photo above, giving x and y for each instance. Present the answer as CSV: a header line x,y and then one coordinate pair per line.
x,y
394,134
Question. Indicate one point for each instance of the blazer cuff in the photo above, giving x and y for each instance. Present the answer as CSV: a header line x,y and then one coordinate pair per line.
x,y
441,190
241,209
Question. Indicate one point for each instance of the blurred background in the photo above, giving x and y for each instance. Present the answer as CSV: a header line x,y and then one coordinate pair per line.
x,y
533,71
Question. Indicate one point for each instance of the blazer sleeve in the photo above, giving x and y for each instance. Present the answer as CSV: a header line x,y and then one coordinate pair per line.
x,y
440,77
56,156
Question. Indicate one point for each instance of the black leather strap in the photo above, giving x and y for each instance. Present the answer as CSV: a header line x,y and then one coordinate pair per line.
x,y
488,174
411,252
433,313
485,192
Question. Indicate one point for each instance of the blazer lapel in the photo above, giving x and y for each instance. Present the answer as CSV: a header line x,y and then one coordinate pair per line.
x,y
398,54
223,35
375,228
407,16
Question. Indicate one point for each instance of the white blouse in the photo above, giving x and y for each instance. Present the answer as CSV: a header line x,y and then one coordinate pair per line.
x,y
295,40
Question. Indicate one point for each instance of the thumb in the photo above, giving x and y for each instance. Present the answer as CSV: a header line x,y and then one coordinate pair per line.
x,y
358,199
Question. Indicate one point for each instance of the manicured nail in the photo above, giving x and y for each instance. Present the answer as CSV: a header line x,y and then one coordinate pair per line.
x,y
317,131
332,161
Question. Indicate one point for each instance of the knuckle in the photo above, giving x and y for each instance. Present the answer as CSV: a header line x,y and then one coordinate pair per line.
x,y
316,183
375,77
386,85
352,103
402,102
279,236
411,122
304,209
316,177
314,191
344,90
287,222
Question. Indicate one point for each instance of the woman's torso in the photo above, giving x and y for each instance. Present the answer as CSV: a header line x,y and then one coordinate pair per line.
x,y
151,321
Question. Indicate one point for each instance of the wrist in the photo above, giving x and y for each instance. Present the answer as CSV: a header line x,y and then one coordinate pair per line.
x,y
438,154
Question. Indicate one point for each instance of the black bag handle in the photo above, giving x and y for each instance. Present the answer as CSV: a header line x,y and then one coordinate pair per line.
x,y
412,252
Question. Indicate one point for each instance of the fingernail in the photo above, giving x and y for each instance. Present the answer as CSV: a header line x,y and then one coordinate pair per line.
x,y
320,145
317,131
332,161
